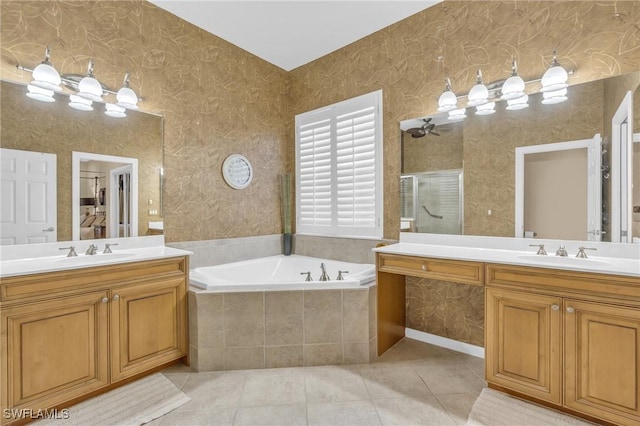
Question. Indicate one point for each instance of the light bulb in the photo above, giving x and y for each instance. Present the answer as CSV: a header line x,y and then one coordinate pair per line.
x,y
89,87
448,100
40,94
479,93
555,97
555,78
486,109
45,75
457,114
518,103
513,86
126,97
80,103
115,111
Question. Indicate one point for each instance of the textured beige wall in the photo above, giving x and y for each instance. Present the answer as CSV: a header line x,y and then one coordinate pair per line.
x,y
404,61
54,128
433,153
216,100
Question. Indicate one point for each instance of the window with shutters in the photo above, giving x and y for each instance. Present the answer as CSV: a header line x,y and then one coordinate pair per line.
x,y
339,169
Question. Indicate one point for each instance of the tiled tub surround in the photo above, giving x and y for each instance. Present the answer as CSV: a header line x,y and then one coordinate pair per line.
x,y
233,331
355,250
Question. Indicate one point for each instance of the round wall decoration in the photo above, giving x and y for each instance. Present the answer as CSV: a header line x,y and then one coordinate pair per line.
x,y
237,171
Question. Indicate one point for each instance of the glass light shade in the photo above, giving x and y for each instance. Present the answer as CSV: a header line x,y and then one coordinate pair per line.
x,y
513,88
486,109
518,103
555,78
40,94
80,103
457,114
115,111
46,77
555,97
90,88
478,95
447,101
127,98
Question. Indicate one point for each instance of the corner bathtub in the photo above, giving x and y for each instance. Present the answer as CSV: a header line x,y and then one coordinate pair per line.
x,y
278,273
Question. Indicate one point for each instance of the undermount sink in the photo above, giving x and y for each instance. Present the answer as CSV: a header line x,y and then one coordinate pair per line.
x,y
98,258
560,260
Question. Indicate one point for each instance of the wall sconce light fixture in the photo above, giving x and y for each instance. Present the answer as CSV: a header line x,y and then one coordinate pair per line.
x,y
86,89
483,96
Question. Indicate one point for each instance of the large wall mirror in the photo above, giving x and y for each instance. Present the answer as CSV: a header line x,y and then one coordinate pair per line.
x,y
48,135
464,177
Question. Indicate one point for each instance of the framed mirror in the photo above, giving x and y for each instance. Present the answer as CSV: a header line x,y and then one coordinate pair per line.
x,y
54,128
484,148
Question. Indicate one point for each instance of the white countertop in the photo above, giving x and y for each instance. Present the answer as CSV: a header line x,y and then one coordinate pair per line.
x,y
39,258
624,262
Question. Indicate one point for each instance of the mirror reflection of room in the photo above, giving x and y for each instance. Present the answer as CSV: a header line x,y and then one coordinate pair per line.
x,y
605,202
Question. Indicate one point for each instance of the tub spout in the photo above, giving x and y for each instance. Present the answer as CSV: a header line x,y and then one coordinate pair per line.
x,y
324,276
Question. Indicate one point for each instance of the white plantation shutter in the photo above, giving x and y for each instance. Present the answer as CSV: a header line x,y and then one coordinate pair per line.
x,y
339,169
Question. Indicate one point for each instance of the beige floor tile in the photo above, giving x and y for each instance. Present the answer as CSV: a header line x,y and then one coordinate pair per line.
x,y
446,379
476,365
348,413
393,380
207,390
177,368
276,415
458,405
334,383
178,379
279,386
412,411
222,416
413,350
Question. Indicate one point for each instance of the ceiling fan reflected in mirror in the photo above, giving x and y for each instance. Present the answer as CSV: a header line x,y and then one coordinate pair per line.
x,y
426,129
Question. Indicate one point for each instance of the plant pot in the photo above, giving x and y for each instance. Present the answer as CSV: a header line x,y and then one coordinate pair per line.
x,y
287,244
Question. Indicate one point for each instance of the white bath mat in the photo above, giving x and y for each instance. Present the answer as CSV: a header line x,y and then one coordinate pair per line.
x,y
135,403
494,408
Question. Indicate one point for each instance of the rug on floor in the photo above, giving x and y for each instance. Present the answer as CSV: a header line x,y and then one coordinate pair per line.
x,y
135,403
494,408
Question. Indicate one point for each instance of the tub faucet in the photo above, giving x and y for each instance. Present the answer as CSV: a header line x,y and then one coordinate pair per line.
x,y
93,249
340,277
308,274
324,276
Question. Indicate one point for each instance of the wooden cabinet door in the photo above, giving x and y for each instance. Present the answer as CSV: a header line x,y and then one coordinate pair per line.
x,y
523,335
54,351
602,361
148,326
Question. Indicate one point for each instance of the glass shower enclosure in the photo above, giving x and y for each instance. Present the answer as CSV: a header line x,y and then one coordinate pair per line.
x,y
432,202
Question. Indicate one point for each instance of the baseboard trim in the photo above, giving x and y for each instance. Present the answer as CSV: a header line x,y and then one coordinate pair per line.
x,y
444,342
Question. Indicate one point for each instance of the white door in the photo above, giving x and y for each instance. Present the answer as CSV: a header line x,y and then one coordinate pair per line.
x,y
622,171
592,230
122,219
28,213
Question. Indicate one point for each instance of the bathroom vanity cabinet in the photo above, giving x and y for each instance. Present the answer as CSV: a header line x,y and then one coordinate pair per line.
x,y
68,334
571,339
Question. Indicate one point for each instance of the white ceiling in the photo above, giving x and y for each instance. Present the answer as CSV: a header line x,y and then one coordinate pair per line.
x,y
292,33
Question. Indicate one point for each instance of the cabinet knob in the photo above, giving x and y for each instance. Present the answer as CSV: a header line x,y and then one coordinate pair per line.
x,y
555,307
116,297
424,267
570,309
105,299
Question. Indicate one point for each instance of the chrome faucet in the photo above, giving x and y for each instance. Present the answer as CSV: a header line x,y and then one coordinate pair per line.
x,y
107,247
581,254
562,251
93,249
340,277
72,251
324,276
541,250
308,274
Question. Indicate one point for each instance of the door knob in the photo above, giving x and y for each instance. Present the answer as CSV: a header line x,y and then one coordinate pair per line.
x,y
105,299
49,229
555,307
116,297
570,309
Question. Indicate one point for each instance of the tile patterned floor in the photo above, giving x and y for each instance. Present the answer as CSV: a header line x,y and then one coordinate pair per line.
x,y
412,384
